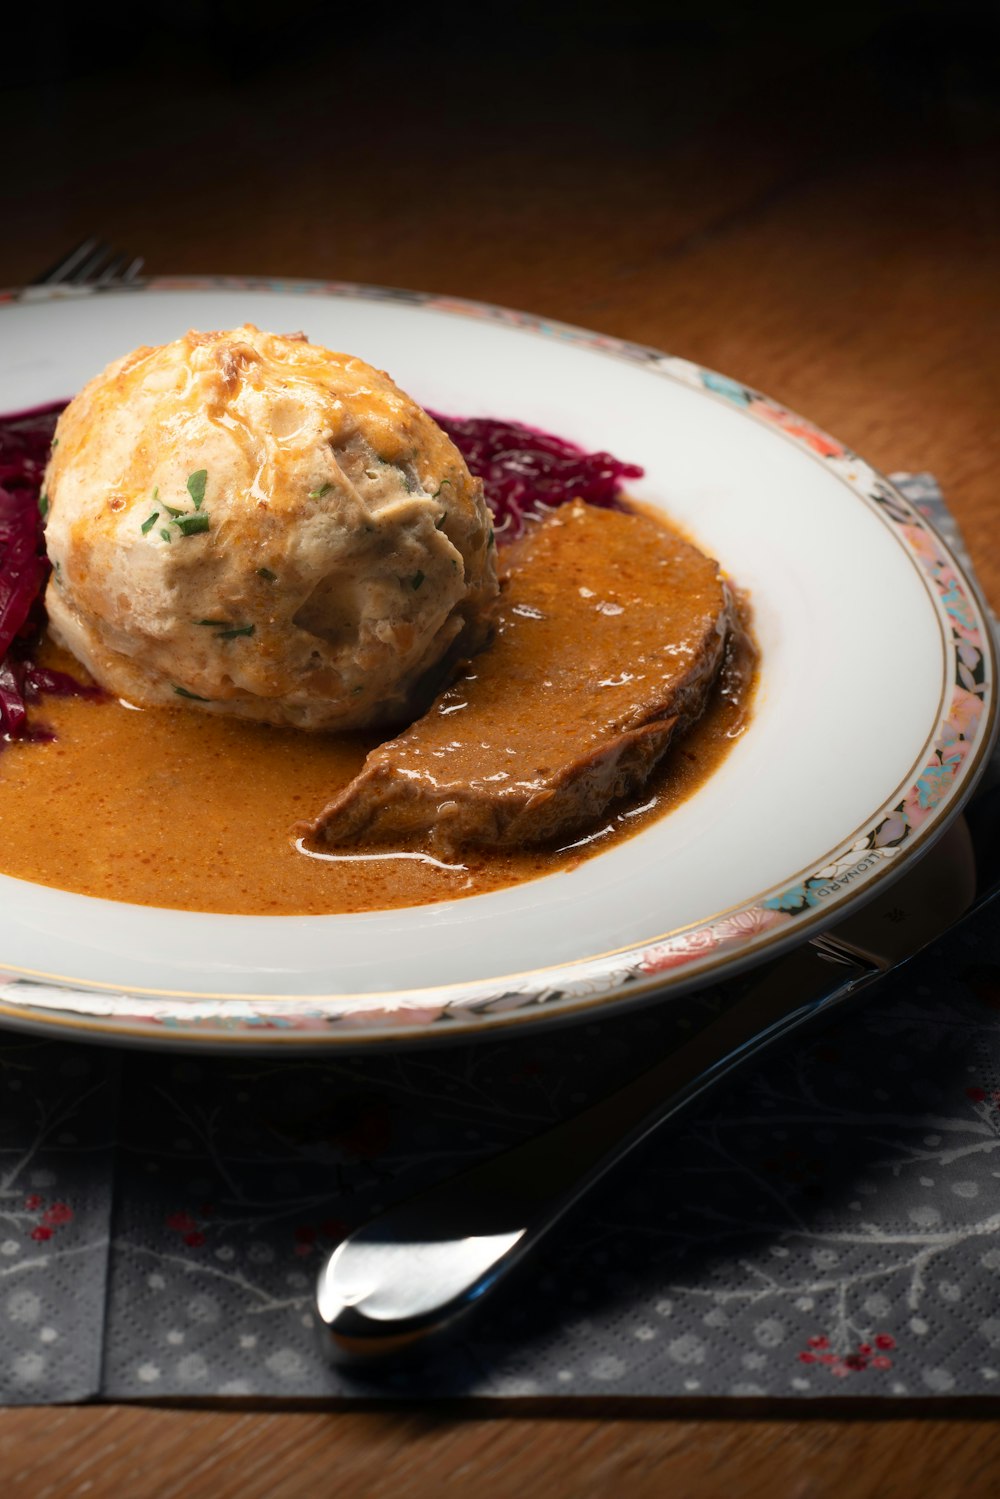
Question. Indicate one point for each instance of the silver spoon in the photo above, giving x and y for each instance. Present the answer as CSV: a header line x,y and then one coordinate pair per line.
x,y
418,1270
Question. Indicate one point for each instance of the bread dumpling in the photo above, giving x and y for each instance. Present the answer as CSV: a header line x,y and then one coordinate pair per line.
x,y
256,526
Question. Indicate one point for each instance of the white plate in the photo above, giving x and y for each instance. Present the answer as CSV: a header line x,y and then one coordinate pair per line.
x,y
876,709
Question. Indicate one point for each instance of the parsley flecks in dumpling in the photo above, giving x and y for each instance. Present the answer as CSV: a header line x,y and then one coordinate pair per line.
x,y
295,499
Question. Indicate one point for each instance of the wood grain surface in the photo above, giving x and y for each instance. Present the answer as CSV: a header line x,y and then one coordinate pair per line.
x,y
815,213
183,1454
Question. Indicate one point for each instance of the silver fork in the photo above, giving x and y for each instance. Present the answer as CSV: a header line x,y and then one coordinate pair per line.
x,y
92,262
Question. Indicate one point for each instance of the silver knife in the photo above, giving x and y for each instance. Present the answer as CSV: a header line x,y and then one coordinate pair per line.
x,y
418,1270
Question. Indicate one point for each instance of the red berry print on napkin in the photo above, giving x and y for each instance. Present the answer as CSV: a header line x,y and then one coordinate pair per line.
x,y
51,1218
329,1233
187,1225
990,1098
843,1365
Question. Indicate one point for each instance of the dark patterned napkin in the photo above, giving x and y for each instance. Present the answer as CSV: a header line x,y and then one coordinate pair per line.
x,y
830,1223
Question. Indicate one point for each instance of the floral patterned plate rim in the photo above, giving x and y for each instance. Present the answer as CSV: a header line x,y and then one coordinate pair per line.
x,y
851,583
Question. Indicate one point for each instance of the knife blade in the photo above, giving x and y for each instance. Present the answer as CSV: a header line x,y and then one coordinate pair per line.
x,y
416,1272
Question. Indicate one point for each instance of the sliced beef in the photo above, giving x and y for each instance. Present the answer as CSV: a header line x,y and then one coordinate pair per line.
x,y
611,631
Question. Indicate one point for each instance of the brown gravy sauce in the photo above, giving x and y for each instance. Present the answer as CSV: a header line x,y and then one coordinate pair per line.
x,y
170,807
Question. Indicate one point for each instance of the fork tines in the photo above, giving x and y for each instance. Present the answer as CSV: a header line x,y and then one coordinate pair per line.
x,y
91,262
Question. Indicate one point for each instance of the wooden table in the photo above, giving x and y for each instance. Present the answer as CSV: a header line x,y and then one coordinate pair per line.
x,y
801,212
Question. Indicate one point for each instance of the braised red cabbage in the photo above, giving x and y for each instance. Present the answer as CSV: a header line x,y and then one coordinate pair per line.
x,y
25,440
523,468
